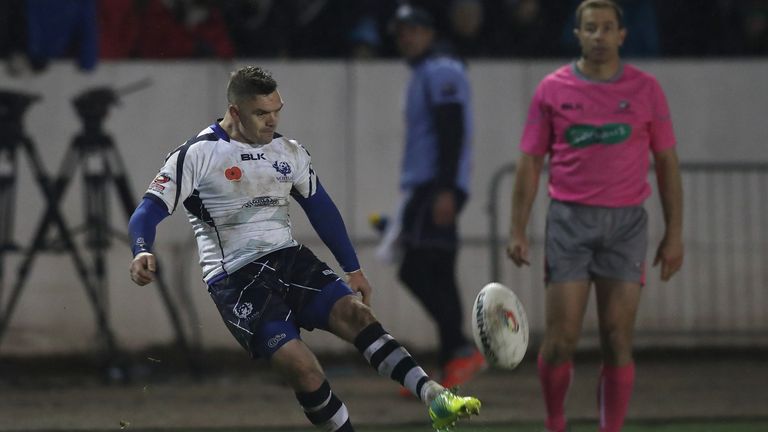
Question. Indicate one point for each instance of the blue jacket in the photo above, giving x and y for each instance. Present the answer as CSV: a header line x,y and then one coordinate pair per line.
x,y
438,117
56,26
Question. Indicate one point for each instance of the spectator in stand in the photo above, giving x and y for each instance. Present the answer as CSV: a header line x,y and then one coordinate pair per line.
x,y
365,38
118,28
642,29
372,30
292,28
523,28
265,21
721,37
56,27
183,29
755,26
13,38
688,28
466,19
369,35
320,28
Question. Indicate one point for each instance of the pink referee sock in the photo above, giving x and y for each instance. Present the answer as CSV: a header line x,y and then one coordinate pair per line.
x,y
555,381
616,384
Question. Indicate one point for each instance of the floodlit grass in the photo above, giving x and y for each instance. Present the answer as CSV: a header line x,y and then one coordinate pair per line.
x,y
671,426
716,426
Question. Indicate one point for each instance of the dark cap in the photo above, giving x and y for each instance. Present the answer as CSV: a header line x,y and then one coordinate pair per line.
x,y
407,14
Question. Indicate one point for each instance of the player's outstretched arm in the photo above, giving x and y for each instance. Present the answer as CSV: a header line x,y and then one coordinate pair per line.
x,y
142,228
329,225
523,194
670,251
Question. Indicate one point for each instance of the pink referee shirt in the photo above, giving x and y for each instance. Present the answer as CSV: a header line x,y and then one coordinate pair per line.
x,y
598,134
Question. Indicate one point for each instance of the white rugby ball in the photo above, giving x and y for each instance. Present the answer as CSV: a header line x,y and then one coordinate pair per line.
x,y
500,326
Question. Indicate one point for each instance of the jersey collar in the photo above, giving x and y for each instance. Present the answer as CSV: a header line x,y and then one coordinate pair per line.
x,y
219,131
579,74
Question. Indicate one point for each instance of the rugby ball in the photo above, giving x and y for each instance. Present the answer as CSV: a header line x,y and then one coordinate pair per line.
x,y
500,326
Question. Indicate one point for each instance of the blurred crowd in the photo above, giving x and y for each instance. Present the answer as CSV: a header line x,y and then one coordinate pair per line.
x,y
33,32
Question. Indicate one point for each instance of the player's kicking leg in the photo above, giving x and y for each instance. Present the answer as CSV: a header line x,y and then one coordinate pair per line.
x,y
353,321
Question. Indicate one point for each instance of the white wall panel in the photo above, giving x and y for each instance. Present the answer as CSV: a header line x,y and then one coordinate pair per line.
x,y
349,116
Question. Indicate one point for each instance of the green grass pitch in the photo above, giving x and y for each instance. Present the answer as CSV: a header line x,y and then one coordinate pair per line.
x,y
655,426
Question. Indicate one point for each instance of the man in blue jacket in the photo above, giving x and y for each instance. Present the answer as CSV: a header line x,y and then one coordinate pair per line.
x,y
435,183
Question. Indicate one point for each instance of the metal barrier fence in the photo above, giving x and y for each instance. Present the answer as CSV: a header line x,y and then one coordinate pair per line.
x,y
720,296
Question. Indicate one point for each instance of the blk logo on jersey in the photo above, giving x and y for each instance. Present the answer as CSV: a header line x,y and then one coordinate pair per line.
x,y
568,106
233,174
251,157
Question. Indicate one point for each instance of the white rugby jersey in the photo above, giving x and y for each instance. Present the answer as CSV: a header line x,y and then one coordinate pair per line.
x,y
235,195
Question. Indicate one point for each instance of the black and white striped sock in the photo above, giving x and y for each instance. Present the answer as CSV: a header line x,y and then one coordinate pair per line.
x,y
391,360
326,411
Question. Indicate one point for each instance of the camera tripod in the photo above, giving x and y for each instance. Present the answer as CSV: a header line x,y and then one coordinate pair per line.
x,y
94,151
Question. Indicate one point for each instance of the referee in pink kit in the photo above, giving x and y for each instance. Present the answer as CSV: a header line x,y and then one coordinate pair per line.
x,y
597,119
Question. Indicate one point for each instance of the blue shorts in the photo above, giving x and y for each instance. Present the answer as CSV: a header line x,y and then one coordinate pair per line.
x,y
265,303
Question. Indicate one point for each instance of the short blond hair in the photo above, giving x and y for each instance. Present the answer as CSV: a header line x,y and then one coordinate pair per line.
x,y
599,4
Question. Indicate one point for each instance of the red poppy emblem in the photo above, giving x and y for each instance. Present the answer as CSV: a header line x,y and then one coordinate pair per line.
x,y
233,174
